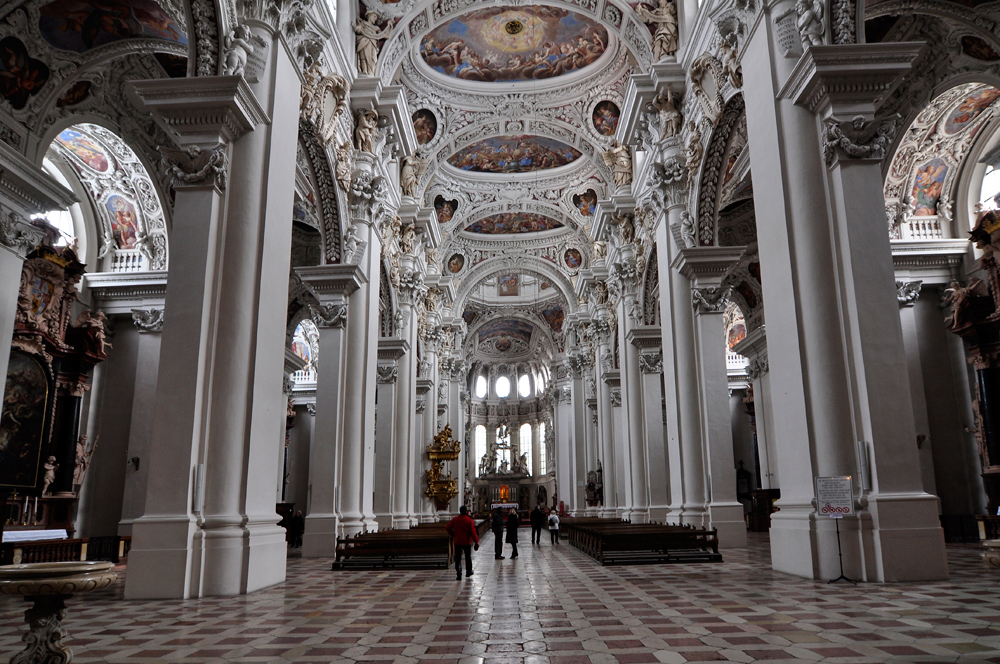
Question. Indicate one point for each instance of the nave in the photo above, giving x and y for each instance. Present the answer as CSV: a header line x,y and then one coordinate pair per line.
x,y
553,605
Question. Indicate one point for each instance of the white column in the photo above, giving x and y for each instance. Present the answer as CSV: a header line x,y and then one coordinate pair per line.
x,y
422,437
332,284
185,514
829,287
563,425
390,350
648,339
404,470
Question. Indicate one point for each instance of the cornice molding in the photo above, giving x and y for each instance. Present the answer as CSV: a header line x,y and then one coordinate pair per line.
x,y
27,188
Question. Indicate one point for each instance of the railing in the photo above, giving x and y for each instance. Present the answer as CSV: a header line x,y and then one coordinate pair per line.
x,y
128,260
921,228
112,548
304,377
736,362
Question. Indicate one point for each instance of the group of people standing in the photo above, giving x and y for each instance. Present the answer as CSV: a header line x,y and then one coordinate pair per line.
x,y
463,530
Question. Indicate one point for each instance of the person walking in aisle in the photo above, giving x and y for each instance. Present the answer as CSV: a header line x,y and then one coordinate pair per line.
x,y
512,524
537,521
554,527
497,527
463,530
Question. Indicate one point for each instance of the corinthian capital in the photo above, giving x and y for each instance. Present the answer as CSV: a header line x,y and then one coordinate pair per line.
x,y
195,166
857,139
625,276
651,362
710,300
148,320
17,234
368,198
328,315
668,182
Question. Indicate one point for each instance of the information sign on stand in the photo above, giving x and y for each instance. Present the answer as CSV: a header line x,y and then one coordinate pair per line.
x,y
835,496
835,499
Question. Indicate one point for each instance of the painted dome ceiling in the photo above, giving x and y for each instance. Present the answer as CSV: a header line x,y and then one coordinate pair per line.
x,y
503,44
514,154
513,222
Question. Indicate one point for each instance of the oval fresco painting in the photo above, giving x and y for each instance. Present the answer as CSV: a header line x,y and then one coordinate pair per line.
x,y
573,258
445,209
927,187
970,109
513,154
21,76
456,263
978,48
80,25
425,125
586,202
84,148
76,93
513,222
124,221
503,344
606,116
514,44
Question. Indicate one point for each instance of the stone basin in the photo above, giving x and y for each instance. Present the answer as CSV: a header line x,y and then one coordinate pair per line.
x,y
63,578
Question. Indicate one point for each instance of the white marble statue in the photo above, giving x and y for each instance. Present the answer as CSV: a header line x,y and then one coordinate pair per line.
x,y
239,45
619,160
365,129
366,41
665,18
671,121
50,475
409,174
809,21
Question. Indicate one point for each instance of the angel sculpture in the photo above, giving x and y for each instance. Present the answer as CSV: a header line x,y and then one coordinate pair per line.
x,y
694,152
957,297
409,174
619,160
366,42
364,131
731,65
671,120
344,166
809,21
665,18
239,45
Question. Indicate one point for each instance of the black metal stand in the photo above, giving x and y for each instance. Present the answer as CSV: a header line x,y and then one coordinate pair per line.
x,y
840,552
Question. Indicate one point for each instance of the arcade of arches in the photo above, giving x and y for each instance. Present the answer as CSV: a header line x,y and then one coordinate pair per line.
x,y
662,261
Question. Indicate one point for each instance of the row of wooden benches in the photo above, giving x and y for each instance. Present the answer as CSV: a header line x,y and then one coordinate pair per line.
x,y
425,546
616,542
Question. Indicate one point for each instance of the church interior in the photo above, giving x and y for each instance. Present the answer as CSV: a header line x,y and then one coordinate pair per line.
x,y
700,294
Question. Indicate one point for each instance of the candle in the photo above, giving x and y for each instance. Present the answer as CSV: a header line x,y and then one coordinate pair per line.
x,y
34,512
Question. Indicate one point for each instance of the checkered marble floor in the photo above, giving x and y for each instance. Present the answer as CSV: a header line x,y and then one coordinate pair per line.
x,y
552,605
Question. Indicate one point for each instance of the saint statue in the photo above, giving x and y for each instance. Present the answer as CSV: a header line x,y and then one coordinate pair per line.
x,y
364,131
665,18
619,160
409,174
671,121
366,42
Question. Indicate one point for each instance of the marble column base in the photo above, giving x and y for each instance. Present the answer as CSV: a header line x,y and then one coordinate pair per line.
x,y
400,523
266,556
161,559
659,513
320,537
638,515
727,518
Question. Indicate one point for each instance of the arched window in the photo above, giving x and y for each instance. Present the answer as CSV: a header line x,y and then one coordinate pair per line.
x,y
540,383
481,387
305,344
524,386
526,446
543,457
503,387
480,443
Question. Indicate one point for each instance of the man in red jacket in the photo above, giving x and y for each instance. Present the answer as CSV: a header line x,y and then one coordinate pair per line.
x,y
463,529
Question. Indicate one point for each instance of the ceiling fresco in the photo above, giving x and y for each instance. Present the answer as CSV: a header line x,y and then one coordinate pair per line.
x,y
79,25
514,154
513,222
506,43
516,330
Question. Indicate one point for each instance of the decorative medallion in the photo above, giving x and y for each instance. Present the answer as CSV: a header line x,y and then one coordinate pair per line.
x,y
513,222
514,154
605,118
501,44
456,263
76,93
445,209
425,125
573,259
586,202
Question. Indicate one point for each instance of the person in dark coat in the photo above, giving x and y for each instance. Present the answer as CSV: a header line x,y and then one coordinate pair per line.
x,y
512,523
537,521
497,527
298,528
463,529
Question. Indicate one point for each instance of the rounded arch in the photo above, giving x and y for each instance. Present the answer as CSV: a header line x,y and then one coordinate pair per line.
x,y
328,198
522,264
545,336
651,290
717,190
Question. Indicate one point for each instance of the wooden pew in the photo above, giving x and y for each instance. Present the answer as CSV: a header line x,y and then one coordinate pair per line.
x,y
615,542
425,546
